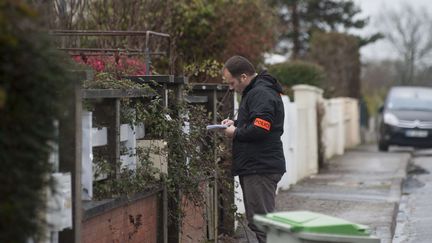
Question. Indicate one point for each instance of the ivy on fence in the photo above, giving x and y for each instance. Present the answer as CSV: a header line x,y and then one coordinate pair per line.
x,y
189,148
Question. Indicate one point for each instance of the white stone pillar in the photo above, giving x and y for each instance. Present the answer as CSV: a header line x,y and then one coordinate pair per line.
x,y
306,98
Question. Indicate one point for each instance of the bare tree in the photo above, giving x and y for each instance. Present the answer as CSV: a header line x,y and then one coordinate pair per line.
x,y
378,75
68,11
60,14
409,30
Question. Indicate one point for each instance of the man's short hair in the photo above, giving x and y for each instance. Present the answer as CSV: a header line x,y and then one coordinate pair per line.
x,y
237,65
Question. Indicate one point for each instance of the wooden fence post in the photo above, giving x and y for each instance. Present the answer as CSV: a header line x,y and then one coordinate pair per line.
x,y
70,133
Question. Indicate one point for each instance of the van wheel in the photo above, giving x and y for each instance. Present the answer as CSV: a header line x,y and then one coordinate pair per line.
x,y
383,146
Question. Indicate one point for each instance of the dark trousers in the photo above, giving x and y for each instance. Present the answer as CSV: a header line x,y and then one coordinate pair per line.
x,y
259,193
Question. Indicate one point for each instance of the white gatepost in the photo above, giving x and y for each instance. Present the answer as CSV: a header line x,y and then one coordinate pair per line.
x,y
340,135
289,144
86,156
353,125
329,129
334,129
306,98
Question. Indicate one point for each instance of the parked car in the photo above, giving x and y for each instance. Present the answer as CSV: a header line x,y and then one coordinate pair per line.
x,y
406,118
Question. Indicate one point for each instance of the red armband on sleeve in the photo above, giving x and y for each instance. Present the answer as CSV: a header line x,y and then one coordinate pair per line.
x,y
262,124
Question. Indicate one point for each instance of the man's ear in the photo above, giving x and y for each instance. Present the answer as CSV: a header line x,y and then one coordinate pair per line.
x,y
243,77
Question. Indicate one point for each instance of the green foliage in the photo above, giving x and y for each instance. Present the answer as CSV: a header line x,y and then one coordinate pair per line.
x,y
128,182
193,26
32,78
204,71
297,72
330,14
105,80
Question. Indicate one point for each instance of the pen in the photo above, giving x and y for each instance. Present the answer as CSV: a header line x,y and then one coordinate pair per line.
x,y
226,119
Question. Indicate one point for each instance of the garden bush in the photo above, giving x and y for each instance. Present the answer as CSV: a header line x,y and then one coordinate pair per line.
x,y
297,72
32,78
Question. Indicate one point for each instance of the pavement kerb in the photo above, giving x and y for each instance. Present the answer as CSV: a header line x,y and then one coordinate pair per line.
x,y
397,187
401,205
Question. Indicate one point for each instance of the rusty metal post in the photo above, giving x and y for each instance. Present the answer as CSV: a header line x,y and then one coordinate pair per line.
x,y
215,186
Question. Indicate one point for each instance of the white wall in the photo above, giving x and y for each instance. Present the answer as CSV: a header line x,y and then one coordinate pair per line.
x,y
341,125
289,138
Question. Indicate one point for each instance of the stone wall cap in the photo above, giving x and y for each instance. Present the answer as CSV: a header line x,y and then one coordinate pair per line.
x,y
304,87
336,101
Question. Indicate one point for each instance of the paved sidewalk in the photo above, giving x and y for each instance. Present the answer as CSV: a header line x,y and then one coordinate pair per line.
x,y
363,186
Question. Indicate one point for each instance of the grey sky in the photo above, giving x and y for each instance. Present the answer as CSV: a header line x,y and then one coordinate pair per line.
x,y
374,9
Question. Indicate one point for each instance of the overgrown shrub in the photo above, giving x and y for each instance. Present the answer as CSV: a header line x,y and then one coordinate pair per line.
x,y
31,80
297,72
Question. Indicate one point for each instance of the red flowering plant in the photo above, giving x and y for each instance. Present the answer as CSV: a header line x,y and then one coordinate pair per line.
x,y
115,65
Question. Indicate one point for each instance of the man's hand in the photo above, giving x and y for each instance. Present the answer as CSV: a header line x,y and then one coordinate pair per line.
x,y
229,131
227,122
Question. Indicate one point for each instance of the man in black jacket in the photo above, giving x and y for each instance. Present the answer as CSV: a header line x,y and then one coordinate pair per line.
x,y
258,157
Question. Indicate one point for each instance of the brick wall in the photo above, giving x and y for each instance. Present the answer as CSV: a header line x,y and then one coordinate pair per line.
x,y
194,225
136,221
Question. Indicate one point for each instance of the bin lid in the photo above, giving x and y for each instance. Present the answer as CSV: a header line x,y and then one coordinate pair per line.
x,y
306,221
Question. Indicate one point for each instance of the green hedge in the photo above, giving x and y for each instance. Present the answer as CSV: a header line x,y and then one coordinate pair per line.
x,y
297,72
31,78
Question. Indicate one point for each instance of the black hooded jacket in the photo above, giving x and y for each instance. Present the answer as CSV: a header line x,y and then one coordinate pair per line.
x,y
257,147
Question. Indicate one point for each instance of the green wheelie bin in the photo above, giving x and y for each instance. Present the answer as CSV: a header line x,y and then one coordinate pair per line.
x,y
310,227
